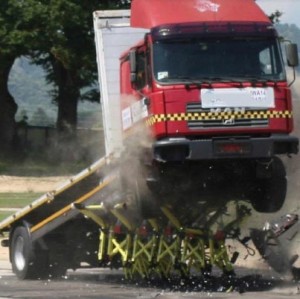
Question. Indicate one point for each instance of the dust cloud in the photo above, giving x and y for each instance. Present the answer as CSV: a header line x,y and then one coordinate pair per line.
x,y
293,164
136,156
131,189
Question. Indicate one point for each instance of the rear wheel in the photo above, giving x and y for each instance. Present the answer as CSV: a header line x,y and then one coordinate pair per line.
x,y
29,260
26,262
269,193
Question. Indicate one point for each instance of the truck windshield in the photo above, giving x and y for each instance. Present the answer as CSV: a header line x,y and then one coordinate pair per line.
x,y
183,60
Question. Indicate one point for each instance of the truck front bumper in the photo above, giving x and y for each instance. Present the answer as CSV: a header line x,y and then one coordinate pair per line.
x,y
180,149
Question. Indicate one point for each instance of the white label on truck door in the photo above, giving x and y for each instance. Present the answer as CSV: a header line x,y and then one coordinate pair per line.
x,y
139,111
136,110
126,118
134,113
251,97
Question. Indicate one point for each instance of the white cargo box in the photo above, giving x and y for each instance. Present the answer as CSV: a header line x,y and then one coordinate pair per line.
x,y
113,36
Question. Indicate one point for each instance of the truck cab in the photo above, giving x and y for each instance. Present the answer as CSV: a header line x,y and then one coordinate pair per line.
x,y
210,88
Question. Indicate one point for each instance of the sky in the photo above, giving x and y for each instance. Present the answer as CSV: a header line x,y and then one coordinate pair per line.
x,y
289,8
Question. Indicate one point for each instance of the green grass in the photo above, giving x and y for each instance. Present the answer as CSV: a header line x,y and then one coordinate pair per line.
x,y
39,168
17,200
4,215
40,165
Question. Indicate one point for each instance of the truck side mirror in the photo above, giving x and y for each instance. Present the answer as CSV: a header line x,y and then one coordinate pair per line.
x,y
292,54
132,61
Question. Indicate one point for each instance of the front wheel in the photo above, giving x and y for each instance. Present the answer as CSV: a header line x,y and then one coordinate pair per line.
x,y
135,181
269,194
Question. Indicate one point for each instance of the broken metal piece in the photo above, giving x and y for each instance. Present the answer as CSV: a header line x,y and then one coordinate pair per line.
x,y
274,243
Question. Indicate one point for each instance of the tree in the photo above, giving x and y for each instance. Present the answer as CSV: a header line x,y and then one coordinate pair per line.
x,y
68,54
59,33
20,25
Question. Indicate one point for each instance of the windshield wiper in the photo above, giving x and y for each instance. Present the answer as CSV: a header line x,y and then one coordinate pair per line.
x,y
175,78
255,79
243,79
220,79
187,80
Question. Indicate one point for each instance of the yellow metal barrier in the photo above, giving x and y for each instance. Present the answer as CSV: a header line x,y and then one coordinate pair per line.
x,y
193,253
148,248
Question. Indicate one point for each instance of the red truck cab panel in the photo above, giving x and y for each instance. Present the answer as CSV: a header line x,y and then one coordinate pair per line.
x,y
199,47
150,14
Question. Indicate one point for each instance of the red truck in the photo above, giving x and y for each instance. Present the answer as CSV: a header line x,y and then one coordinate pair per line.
x,y
208,85
195,116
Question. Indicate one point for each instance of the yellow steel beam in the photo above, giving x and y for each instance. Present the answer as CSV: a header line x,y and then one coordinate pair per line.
x,y
172,218
116,212
89,212
103,240
119,247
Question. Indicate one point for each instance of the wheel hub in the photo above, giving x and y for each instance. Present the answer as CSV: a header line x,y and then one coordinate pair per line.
x,y
19,254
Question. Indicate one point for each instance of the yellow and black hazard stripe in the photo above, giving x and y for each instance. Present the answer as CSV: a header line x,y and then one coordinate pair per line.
x,y
218,115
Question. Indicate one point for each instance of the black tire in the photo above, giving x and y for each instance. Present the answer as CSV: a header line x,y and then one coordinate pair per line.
x,y
270,193
28,259
134,175
25,263
146,202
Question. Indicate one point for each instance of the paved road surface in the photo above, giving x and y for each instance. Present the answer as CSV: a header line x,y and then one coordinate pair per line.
x,y
103,283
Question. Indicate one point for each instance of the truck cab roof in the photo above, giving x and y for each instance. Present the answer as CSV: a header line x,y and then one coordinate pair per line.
x,y
150,14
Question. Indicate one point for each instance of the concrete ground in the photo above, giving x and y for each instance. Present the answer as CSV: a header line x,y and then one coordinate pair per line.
x,y
254,281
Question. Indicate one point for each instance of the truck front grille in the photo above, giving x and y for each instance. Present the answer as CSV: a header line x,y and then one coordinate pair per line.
x,y
225,118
